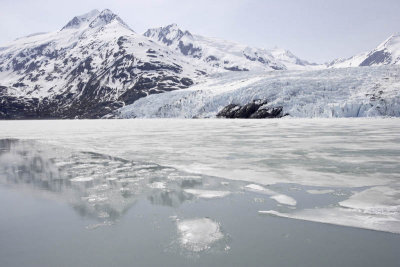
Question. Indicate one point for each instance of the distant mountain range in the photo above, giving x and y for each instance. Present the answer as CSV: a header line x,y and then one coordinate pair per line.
x,y
224,54
387,53
97,64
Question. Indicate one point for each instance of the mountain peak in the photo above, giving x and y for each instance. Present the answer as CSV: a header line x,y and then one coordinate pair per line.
x,y
77,21
94,19
168,34
105,17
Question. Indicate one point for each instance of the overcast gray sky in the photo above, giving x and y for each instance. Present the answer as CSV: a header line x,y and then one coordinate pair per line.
x,y
316,30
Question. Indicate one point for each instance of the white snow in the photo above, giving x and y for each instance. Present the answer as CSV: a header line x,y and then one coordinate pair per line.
x,y
198,235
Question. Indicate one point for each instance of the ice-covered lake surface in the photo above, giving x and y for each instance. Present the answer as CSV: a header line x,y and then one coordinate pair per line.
x,y
287,192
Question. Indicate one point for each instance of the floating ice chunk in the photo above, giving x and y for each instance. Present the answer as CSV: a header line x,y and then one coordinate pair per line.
x,y
82,179
259,200
320,192
207,193
157,185
280,198
95,226
198,234
103,214
284,199
259,189
175,176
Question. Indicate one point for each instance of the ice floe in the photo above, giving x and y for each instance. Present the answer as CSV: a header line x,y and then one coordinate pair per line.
x,y
197,235
375,201
344,217
284,199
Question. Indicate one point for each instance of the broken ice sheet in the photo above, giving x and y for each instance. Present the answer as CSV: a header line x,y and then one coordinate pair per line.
x,y
280,198
376,208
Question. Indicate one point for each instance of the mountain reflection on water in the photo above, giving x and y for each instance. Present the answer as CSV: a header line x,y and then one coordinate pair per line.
x,y
96,185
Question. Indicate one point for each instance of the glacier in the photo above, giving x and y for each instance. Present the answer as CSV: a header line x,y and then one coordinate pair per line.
x,y
344,92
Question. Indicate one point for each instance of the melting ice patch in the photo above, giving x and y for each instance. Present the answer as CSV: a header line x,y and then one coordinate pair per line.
x,y
320,191
207,193
197,235
284,199
377,200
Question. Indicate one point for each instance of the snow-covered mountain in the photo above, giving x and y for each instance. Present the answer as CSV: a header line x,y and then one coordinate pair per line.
x,y
387,53
96,64
90,67
225,54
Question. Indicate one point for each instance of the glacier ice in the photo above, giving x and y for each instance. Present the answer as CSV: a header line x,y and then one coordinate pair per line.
x,y
349,92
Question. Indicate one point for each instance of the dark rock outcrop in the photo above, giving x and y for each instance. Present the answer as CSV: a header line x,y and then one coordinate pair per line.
x,y
252,110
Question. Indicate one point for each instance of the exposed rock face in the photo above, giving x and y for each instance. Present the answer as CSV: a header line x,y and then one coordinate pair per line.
x,y
252,110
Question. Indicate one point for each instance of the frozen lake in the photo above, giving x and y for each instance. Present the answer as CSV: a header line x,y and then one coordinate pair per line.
x,y
289,192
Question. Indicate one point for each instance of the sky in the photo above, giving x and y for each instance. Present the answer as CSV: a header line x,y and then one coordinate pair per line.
x,y
315,30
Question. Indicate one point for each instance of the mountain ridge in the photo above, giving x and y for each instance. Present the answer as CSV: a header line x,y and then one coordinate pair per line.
x,y
225,54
